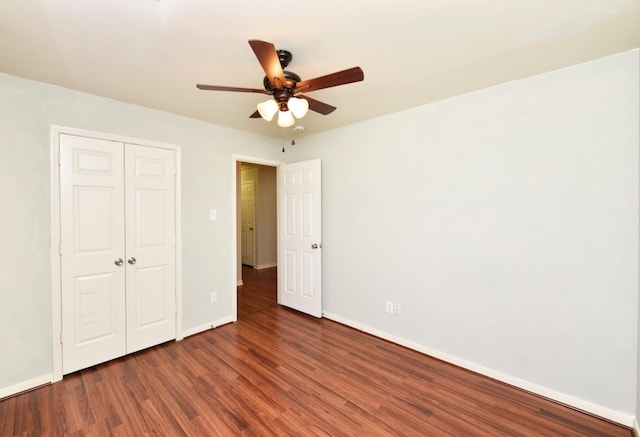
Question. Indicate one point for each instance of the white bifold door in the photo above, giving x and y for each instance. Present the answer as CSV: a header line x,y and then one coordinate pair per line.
x,y
117,206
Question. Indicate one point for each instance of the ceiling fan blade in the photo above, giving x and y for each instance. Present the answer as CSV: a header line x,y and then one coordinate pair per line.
x,y
230,88
268,58
256,114
343,77
318,106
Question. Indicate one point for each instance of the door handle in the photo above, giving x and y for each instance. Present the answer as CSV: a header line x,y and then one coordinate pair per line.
x,y
316,246
118,261
132,260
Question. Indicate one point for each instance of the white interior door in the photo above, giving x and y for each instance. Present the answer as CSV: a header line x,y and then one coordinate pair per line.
x,y
300,237
248,223
118,249
92,251
150,246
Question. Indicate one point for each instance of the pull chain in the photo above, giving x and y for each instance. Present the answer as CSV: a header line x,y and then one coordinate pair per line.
x,y
293,142
282,140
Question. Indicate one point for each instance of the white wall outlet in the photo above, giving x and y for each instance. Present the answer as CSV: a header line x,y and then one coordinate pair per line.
x,y
389,307
396,309
213,214
213,297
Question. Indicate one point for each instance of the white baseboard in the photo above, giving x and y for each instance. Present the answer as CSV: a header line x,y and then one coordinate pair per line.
x,y
597,410
240,283
25,385
207,326
265,266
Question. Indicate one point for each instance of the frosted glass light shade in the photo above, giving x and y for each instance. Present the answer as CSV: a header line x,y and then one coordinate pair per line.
x,y
299,107
268,109
285,119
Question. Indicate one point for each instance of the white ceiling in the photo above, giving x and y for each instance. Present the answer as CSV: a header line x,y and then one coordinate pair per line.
x,y
153,52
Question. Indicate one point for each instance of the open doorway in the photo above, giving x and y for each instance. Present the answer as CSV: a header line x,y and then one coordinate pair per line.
x,y
256,221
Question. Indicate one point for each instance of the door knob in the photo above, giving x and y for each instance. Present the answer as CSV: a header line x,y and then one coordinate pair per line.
x,y
118,261
315,246
132,260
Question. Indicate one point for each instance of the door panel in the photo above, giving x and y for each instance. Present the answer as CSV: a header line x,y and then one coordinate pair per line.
x,y
307,285
150,231
92,230
150,246
306,227
93,216
95,312
290,269
300,237
151,282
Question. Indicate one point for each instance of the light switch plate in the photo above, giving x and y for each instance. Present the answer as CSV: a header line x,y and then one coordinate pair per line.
x,y
213,214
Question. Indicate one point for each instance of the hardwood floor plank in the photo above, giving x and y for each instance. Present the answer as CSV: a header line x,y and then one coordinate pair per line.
x,y
8,415
277,372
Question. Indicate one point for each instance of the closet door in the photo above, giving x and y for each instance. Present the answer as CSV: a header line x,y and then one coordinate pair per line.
x,y
117,249
150,246
92,251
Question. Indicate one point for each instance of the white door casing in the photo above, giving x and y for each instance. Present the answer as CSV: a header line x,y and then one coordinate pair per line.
x,y
118,249
92,247
300,236
150,246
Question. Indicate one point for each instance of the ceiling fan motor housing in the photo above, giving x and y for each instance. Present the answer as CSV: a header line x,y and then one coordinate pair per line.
x,y
291,80
283,95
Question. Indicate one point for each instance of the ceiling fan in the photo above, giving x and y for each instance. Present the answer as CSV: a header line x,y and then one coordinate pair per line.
x,y
286,87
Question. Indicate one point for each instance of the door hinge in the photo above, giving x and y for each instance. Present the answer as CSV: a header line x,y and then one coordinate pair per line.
x,y
61,338
60,249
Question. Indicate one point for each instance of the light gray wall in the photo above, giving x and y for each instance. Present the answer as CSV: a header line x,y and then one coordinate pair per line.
x,y
267,216
505,223
27,109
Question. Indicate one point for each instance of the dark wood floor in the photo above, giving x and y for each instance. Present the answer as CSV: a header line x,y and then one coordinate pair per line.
x,y
279,373
258,292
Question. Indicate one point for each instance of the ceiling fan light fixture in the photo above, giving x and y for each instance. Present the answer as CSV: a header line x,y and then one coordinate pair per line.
x,y
298,106
268,109
282,85
285,119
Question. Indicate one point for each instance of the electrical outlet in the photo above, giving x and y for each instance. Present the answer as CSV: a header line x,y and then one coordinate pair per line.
x,y
389,307
213,297
396,309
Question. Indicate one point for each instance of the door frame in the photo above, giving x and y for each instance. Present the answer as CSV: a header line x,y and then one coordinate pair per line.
x,y
56,290
235,159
